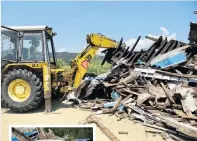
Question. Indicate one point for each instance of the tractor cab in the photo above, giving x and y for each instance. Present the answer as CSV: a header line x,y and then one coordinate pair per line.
x,y
27,61
28,44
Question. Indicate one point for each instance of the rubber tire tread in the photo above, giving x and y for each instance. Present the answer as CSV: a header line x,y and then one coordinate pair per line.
x,y
36,94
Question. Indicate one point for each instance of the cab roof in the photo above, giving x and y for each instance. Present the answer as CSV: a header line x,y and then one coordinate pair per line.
x,y
34,28
29,28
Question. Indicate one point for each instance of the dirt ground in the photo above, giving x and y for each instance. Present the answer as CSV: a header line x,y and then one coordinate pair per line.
x,y
66,115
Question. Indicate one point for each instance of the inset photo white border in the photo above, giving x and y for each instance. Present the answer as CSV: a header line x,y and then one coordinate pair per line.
x,y
53,126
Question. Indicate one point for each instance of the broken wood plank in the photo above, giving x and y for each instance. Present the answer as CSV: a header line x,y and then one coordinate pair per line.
x,y
167,93
112,110
42,134
126,98
107,132
154,131
131,92
177,106
176,74
187,110
189,117
186,129
175,137
123,132
180,113
156,91
160,128
144,97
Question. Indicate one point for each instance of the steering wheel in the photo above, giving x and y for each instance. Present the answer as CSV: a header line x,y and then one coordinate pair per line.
x,y
110,51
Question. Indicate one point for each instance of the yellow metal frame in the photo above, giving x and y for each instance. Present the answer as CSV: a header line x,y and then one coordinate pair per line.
x,y
81,70
101,41
95,41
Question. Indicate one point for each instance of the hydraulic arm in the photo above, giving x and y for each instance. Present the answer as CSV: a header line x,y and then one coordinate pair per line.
x,y
81,62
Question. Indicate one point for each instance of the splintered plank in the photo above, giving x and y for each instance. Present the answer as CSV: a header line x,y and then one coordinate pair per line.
x,y
105,130
167,93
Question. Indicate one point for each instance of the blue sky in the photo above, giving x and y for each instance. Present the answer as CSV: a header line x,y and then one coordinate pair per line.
x,y
74,20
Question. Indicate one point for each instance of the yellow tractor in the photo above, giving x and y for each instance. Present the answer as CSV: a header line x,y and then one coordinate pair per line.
x,y
29,69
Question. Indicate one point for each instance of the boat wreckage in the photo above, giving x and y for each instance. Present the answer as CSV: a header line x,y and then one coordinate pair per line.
x,y
157,86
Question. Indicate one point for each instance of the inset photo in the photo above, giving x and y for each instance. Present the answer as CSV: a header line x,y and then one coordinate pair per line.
x,y
51,133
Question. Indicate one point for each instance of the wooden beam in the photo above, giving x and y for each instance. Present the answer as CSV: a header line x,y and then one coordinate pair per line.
x,y
167,93
107,132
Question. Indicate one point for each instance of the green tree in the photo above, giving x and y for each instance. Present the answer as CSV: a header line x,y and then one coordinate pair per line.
x,y
73,133
95,66
62,64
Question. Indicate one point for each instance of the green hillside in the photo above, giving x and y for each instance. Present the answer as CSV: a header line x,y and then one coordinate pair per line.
x,y
67,56
64,58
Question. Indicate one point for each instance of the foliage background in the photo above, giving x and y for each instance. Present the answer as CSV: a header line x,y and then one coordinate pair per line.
x,y
64,58
73,133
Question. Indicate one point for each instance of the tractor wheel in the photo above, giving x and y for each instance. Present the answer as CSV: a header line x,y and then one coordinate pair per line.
x,y
21,90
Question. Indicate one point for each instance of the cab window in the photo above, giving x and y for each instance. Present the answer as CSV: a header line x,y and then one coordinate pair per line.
x,y
9,41
50,50
32,47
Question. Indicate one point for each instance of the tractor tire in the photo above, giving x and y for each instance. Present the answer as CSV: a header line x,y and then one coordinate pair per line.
x,y
31,87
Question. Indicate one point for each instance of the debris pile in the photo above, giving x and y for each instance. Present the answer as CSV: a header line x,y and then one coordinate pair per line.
x,y
156,86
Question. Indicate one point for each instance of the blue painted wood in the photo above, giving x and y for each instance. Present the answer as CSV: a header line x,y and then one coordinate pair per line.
x,y
171,60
